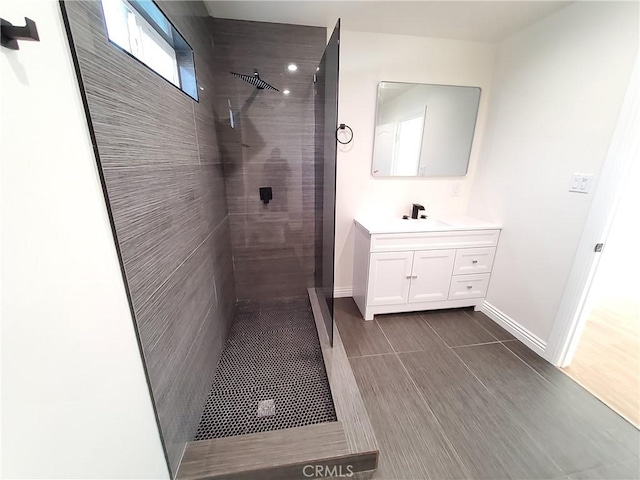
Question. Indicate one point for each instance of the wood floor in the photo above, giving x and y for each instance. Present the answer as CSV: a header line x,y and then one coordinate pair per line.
x,y
607,361
452,395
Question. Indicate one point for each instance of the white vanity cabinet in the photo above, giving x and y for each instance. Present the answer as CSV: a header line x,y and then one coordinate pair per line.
x,y
413,265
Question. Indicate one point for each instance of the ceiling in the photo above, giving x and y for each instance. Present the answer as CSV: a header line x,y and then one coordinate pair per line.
x,y
479,21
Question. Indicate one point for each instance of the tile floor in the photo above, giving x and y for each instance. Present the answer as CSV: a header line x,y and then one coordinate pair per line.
x,y
271,374
452,395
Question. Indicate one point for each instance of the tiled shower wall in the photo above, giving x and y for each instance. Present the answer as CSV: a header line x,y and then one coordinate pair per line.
x,y
162,168
271,145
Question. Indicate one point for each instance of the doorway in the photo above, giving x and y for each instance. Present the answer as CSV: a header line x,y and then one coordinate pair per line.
x,y
607,358
596,336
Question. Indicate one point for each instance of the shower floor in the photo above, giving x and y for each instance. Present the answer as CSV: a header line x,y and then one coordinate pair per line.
x,y
271,374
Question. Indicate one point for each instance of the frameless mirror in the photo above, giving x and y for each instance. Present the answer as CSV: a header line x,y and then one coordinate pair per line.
x,y
423,130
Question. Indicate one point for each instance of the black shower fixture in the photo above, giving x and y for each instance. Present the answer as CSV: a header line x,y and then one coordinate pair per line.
x,y
255,80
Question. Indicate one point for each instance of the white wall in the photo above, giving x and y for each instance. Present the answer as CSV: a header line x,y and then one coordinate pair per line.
x,y
365,60
75,403
557,91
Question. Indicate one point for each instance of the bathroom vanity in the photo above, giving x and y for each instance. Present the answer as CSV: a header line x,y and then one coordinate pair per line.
x,y
426,264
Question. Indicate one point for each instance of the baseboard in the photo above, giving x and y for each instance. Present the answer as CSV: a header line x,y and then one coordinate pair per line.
x,y
342,292
530,339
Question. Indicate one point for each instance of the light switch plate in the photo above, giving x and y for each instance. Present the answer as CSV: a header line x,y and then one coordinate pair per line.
x,y
581,182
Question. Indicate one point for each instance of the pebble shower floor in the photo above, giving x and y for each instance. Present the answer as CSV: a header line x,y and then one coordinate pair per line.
x,y
271,374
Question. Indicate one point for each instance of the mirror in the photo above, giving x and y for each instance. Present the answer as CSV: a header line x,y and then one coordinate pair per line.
x,y
423,130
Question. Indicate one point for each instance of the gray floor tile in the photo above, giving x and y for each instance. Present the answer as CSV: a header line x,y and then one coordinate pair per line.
x,y
412,444
358,336
574,442
621,471
489,325
409,332
456,328
490,444
589,408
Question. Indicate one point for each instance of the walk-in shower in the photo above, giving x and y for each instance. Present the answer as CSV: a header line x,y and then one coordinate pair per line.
x,y
217,277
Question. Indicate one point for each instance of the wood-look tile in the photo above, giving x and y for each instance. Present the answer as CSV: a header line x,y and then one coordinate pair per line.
x,y
456,328
489,325
409,332
281,271
129,123
412,444
267,147
208,150
350,408
629,470
223,457
488,442
271,229
157,217
156,146
358,336
172,324
572,440
212,199
594,411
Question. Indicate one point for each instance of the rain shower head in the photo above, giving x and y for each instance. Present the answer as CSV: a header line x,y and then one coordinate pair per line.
x,y
255,80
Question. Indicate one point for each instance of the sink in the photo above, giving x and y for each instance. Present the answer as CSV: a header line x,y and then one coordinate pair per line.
x,y
431,224
408,225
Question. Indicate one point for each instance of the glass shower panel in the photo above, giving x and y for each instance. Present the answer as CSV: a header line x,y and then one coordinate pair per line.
x,y
326,111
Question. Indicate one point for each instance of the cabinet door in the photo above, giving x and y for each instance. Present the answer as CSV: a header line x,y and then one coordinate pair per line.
x,y
389,278
431,275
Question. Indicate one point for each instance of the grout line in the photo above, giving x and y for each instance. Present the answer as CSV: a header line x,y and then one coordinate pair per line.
x,y
185,260
478,324
373,355
385,336
509,415
195,128
442,430
476,344
435,332
629,460
506,412
424,401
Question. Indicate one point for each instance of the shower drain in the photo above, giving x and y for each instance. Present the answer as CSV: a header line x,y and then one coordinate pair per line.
x,y
266,408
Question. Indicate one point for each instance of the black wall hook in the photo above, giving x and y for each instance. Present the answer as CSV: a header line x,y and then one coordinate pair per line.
x,y
344,127
10,34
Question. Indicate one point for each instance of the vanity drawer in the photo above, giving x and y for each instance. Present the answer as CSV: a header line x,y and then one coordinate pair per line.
x,y
469,286
397,242
474,260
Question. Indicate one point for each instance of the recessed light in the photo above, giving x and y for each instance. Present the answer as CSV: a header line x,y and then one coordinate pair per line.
x,y
286,92
292,67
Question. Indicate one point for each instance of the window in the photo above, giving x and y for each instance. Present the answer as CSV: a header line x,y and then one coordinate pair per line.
x,y
140,28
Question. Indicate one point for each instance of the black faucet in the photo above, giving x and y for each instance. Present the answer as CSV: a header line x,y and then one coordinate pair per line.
x,y
415,211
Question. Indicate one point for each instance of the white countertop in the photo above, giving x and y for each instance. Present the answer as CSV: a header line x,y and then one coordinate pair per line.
x,y
432,224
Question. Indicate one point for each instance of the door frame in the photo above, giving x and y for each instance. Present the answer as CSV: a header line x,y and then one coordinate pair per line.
x,y
571,316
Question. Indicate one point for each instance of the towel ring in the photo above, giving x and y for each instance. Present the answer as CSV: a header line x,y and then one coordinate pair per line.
x,y
344,127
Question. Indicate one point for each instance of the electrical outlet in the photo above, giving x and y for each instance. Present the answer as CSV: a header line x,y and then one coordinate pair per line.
x,y
581,182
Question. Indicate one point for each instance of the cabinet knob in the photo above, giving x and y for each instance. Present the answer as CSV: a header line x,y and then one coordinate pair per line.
x,y
469,286
474,261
